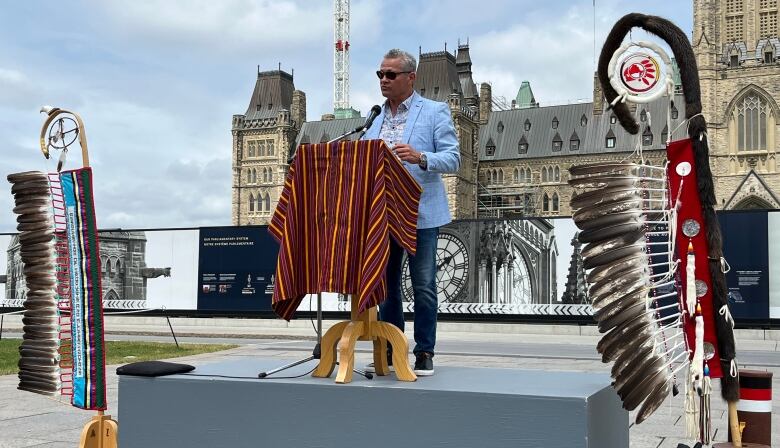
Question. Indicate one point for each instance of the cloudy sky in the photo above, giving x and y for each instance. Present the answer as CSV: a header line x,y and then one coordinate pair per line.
x,y
157,81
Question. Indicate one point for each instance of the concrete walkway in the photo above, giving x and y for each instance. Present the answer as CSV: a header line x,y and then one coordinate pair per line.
x,y
30,420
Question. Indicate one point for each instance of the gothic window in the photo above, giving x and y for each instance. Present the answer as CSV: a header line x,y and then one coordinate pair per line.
x,y
248,176
261,148
674,113
259,202
528,175
557,143
734,61
527,125
555,202
557,172
500,176
643,116
544,174
665,134
751,115
647,137
265,176
546,203
555,123
270,147
768,53
734,21
251,202
574,142
500,127
516,175
767,21
583,120
251,145
267,203
108,268
270,175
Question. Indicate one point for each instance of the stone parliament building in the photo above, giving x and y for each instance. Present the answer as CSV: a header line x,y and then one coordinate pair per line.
x,y
514,160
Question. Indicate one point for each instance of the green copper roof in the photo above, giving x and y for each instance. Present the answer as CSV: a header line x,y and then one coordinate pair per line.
x,y
525,96
346,113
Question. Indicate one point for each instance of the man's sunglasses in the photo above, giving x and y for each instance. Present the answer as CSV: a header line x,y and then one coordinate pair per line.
x,y
390,75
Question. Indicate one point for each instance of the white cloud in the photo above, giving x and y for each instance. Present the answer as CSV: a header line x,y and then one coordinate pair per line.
x,y
224,24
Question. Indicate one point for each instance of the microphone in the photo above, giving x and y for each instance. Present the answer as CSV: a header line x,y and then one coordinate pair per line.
x,y
372,114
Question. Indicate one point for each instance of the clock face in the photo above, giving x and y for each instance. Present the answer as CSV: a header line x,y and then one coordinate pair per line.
x,y
452,269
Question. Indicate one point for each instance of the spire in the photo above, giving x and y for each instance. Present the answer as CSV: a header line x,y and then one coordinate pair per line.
x,y
525,96
576,292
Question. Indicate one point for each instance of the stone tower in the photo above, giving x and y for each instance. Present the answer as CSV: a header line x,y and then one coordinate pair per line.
x,y
441,76
262,140
736,46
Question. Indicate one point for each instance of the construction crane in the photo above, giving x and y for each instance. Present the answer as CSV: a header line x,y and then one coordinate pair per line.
x,y
341,56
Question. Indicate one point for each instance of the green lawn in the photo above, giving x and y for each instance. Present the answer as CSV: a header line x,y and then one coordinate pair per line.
x,y
117,352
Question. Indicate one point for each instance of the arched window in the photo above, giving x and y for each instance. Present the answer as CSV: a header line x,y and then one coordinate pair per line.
x,y
251,202
249,175
546,203
557,174
119,266
528,176
108,268
555,202
270,147
251,145
583,120
544,174
259,202
527,125
500,176
643,116
516,175
265,175
555,123
270,175
500,127
750,119
267,204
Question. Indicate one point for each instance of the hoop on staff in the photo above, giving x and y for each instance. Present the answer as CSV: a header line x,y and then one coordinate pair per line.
x,y
638,75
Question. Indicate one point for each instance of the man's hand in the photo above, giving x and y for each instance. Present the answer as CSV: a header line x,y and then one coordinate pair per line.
x,y
407,153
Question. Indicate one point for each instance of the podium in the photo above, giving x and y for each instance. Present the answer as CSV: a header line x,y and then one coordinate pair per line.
x,y
340,204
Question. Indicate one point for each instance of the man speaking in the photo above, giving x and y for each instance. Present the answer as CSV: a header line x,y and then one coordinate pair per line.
x,y
420,132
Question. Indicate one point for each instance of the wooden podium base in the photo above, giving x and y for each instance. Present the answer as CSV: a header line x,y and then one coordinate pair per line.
x,y
363,327
100,432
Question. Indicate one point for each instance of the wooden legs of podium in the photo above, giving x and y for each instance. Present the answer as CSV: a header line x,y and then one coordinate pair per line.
x,y
364,327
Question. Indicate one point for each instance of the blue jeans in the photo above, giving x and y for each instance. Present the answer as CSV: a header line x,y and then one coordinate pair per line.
x,y
422,269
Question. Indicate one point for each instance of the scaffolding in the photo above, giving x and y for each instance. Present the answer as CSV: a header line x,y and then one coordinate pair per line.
x,y
507,201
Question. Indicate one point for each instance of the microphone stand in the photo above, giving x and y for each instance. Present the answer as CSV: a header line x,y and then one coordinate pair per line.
x,y
317,352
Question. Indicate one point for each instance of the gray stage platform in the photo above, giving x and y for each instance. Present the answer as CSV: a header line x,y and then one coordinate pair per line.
x,y
458,407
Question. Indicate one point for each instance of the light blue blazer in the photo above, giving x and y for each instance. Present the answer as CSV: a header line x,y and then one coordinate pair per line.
x,y
428,129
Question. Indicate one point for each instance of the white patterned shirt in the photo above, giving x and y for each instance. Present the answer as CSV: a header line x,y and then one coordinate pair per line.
x,y
392,131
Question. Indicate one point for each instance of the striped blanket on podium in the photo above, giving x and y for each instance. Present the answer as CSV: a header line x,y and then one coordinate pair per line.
x,y
340,204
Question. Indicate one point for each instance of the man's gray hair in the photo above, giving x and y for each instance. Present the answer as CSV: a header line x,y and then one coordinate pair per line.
x,y
408,62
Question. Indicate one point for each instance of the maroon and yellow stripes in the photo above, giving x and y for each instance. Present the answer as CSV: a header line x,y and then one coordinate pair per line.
x,y
340,204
